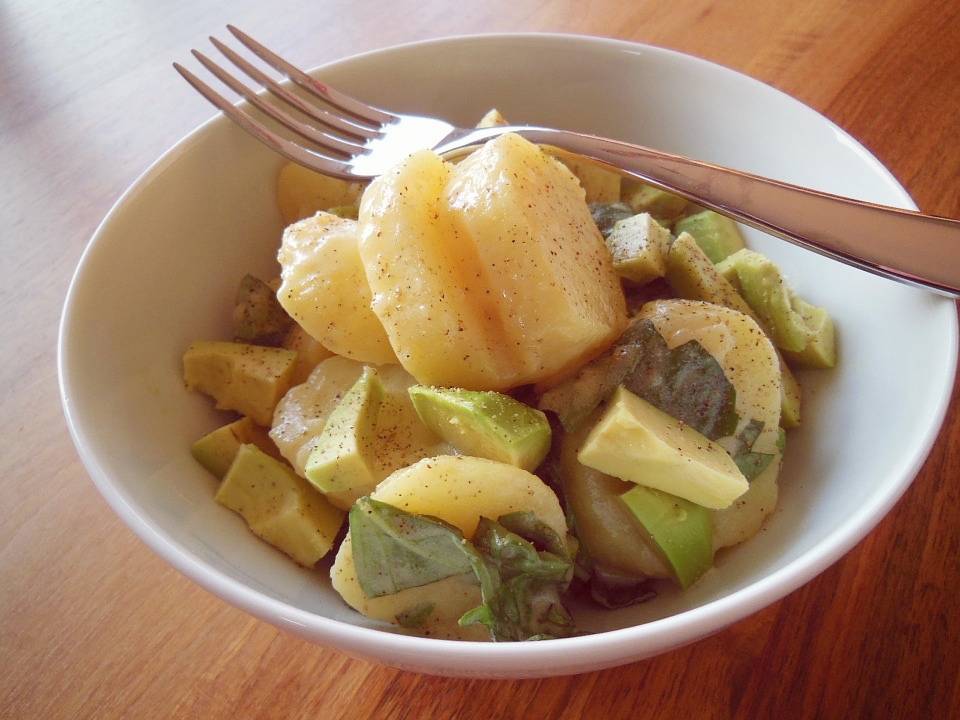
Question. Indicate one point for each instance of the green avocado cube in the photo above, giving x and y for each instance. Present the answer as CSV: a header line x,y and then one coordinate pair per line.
x,y
249,379
279,506
643,198
635,441
802,331
484,423
217,450
345,454
681,531
639,246
716,234
258,317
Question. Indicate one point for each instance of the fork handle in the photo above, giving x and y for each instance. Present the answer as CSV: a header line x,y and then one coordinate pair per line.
x,y
908,246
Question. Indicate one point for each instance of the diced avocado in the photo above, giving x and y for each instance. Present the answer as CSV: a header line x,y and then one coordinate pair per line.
x,y
763,286
821,350
280,506
217,450
692,275
485,424
792,327
681,530
716,234
639,246
258,317
661,204
344,456
249,379
635,441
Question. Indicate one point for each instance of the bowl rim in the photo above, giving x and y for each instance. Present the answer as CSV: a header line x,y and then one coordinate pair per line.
x,y
586,652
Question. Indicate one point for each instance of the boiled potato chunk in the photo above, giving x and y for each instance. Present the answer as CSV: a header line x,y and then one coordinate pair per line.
x,y
489,274
302,192
310,353
459,490
325,288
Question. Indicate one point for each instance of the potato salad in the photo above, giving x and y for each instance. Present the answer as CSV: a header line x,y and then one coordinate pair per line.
x,y
480,390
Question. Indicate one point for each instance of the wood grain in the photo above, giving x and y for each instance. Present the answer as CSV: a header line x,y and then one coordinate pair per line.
x,y
94,625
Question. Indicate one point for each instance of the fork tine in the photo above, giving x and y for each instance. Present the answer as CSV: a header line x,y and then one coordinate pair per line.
x,y
313,134
335,122
308,158
356,108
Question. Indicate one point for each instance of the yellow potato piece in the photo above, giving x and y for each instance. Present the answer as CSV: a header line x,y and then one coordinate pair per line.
x,y
489,274
302,192
461,489
324,288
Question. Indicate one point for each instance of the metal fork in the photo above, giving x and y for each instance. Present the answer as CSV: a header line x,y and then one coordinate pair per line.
x,y
335,134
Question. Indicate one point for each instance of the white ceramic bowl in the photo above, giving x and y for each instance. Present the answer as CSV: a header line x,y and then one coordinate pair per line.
x,y
162,268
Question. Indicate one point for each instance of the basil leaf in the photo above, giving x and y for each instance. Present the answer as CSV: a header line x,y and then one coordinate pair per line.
x,y
686,382
394,550
607,215
528,526
521,586
751,464
574,399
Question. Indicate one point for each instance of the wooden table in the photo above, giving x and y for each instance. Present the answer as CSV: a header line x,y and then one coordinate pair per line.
x,y
94,625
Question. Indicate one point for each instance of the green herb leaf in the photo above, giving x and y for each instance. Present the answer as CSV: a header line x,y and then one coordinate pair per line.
x,y
521,586
751,464
394,550
521,580
607,215
686,382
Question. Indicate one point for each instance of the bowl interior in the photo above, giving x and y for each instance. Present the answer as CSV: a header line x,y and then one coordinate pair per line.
x,y
162,268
